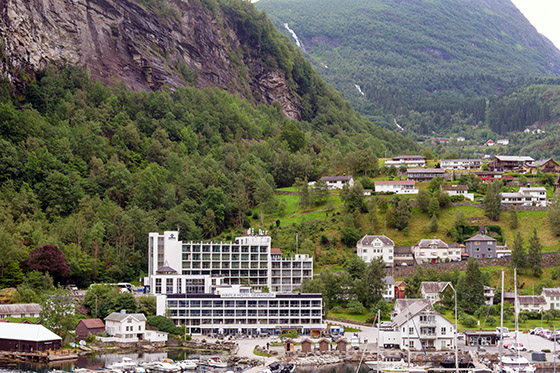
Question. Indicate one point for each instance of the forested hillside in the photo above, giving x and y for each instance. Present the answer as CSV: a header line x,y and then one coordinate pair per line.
x,y
94,168
430,64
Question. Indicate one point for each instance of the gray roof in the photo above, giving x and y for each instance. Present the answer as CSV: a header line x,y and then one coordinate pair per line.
x,y
408,157
166,269
480,237
433,287
427,242
118,316
454,187
551,292
389,280
531,299
425,170
403,250
336,178
514,158
367,240
409,310
26,332
461,160
540,163
20,309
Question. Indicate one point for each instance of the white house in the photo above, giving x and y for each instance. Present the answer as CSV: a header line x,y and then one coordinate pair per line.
x,y
531,303
371,247
416,325
489,295
338,182
396,186
434,250
156,336
460,164
20,310
432,290
552,298
458,190
389,293
407,160
502,142
533,196
126,327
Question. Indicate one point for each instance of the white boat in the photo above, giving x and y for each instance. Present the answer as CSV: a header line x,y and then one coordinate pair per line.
x,y
516,364
394,367
187,364
215,361
125,365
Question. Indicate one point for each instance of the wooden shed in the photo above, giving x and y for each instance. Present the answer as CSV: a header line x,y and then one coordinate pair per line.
x,y
306,345
89,326
324,345
289,345
341,345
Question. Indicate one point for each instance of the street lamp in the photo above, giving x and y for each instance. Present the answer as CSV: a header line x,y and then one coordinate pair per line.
x,y
456,331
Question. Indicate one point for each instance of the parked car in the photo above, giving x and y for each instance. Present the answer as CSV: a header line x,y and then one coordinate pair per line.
x,y
546,334
536,331
543,332
516,347
505,332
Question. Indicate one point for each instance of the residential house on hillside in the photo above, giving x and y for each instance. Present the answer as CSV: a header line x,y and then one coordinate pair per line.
x,y
489,143
552,298
338,182
432,290
396,186
373,247
509,162
433,250
532,303
389,293
416,325
502,142
89,326
424,174
458,190
400,288
403,256
481,246
460,164
489,295
20,310
407,160
533,196
544,166
126,327
489,176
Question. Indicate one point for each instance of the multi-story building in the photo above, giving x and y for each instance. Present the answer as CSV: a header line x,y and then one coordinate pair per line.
x,y
396,186
509,162
552,298
489,295
126,327
236,310
407,160
458,190
416,325
173,265
481,246
389,292
435,250
489,176
533,196
460,164
545,166
373,247
338,182
424,174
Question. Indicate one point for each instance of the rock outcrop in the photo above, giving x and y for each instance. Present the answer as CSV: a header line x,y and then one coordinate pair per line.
x,y
147,49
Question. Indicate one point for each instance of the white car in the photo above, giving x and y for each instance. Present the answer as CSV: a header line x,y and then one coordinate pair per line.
x,y
505,332
516,347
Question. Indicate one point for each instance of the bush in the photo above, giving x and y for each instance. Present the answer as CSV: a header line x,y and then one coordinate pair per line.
x,y
290,334
164,324
255,215
491,321
468,320
355,307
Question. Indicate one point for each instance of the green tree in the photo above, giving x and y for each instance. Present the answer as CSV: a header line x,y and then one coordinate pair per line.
x,y
59,312
534,259
375,285
399,216
320,192
513,219
355,267
554,216
460,219
433,226
8,251
354,200
264,195
100,300
423,200
518,255
470,289
293,136
433,208
147,305
493,201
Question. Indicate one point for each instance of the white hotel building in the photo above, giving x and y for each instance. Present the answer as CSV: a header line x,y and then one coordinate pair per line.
x,y
235,310
249,258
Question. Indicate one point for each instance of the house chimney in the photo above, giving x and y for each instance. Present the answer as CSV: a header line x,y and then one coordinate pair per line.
x,y
123,312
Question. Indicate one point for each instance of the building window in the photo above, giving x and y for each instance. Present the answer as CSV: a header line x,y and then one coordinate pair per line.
x,y
158,285
410,330
443,331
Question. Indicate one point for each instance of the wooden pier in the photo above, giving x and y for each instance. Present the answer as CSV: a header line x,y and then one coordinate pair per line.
x,y
41,357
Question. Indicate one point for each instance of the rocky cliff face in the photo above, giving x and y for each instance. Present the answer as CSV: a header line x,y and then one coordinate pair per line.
x,y
123,40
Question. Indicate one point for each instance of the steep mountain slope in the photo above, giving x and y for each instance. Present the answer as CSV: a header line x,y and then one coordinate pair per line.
x,y
418,55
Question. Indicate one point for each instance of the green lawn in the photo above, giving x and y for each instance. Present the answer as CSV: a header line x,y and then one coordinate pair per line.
x,y
348,316
510,324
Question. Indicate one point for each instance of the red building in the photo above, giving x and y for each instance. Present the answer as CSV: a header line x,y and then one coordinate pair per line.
x,y
89,326
400,287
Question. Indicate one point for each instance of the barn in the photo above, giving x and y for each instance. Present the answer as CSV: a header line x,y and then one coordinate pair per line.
x,y
27,338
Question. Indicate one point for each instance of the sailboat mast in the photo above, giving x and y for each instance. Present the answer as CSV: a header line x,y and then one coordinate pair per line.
x,y
502,322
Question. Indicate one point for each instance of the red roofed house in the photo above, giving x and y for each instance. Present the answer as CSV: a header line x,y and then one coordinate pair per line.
x,y
400,287
89,326
396,186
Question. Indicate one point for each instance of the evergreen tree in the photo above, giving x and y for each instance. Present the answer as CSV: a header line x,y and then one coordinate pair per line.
x,y
399,214
493,201
423,200
433,226
470,289
554,216
518,255
534,259
513,219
